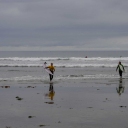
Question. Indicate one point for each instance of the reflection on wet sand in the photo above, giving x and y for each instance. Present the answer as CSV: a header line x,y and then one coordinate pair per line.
x,y
120,88
50,94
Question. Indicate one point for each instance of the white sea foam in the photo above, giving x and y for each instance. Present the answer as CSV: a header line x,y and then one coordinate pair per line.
x,y
62,65
58,78
61,58
70,62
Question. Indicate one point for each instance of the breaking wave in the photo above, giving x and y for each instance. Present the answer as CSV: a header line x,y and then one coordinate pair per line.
x,y
71,62
58,78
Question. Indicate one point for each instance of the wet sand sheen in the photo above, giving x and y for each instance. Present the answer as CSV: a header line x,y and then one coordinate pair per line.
x,y
83,103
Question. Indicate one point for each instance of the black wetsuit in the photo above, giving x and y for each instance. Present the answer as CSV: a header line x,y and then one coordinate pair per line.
x,y
120,71
51,76
52,69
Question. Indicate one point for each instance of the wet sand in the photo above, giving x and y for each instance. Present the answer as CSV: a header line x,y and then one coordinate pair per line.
x,y
90,103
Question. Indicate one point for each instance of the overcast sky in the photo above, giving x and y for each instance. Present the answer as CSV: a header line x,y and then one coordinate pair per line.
x,y
64,24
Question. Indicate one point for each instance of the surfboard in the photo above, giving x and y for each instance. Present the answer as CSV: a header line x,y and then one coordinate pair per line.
x,y
47,70
121,67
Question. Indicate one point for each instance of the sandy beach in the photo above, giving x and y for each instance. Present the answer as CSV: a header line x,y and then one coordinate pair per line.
x,y
71,104
86,92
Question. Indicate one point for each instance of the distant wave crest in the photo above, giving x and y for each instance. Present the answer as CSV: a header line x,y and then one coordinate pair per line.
x,y
62,66
71,62
59,58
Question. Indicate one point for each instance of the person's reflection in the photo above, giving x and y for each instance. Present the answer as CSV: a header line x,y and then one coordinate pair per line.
x,y
50,94
120,89
51,91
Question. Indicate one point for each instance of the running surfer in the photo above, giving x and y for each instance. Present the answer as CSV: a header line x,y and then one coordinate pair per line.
x,y
121,69
52,69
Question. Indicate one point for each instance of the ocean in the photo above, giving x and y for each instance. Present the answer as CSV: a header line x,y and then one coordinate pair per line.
x,y
85,92
27,66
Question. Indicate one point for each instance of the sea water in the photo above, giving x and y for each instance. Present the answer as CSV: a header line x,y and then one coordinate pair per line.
x,y
27,66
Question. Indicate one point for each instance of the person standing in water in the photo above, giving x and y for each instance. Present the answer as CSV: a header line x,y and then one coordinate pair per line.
x,y
52,69
121,69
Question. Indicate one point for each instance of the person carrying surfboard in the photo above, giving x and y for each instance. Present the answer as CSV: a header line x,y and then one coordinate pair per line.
x,y
52,69
121,69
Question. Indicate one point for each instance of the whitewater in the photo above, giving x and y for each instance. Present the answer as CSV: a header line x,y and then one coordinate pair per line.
x,y
68,62
24,67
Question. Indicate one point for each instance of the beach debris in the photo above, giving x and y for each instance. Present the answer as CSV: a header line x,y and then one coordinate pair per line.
x,y
59,122
5,86
106,99
31,116
19,98
42,125
89,107
8,127
49,102
123,106
31,86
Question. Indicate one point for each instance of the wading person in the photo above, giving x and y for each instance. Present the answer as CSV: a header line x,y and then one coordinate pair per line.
x,y
52,69
121,69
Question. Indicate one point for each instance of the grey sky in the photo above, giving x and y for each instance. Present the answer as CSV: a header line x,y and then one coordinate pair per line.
x,y
64,24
